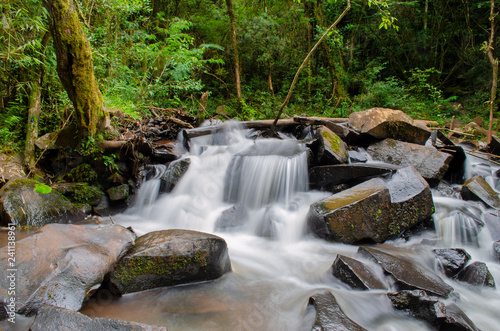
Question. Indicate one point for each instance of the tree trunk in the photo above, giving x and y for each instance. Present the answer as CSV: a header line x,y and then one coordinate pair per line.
x,y
234,43
74,65
494,65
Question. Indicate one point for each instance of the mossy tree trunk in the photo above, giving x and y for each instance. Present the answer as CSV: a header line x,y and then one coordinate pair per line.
x,y
234,43
74,65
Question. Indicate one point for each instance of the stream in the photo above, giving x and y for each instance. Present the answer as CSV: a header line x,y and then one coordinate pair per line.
x,y
276,264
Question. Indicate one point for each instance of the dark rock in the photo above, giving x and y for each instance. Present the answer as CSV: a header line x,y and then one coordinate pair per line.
x,y
83,173
356,157
329,315
356,274
102,208
80,192
451,260
168,150
494,145
478,189
232,219
171,257
117,193
496,249
174,173
384,123
429,162
477,273
23,205
332,149
346,173
456,320
375,210
420,305
55,318
408,275
456,168
61,264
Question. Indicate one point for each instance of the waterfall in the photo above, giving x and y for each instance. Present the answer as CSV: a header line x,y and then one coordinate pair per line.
x,y
150,187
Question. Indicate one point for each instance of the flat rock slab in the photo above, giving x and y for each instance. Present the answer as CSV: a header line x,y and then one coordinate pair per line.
x,y
55,318
451,260
356,274
408,275
478,189
429,162
62,263
329,315
384,123
171,257
420,305
347,173
22,205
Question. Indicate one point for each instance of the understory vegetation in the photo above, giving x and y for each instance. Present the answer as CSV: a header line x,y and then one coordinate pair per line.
x,y
424,57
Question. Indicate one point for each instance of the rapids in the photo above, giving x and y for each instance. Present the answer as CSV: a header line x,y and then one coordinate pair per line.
x,y
276,270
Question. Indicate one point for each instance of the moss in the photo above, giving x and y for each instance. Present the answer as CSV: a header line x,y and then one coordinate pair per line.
x,y
86,194
83,173
201,258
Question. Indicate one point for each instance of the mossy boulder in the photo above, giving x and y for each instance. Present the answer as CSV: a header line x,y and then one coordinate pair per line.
x,y
82,173
120,192
26,202
80,193
171,257
332,149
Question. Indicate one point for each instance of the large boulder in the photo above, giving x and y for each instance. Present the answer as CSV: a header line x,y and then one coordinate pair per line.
x,y
407,274
384,123
26,202
54,318
476,273
171,257
61,264
356,274
478,189
329,315
375,210
11,167
332,149
430,163
451,260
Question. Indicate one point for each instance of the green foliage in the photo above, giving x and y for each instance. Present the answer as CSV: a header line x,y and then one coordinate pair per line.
x,y
42,188
110,162
82,173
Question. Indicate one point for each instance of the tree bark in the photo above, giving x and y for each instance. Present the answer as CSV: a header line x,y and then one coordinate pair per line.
x,y
494,65
236,56
74,65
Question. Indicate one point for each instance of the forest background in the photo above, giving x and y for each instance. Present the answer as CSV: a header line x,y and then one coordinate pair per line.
x,y
425,57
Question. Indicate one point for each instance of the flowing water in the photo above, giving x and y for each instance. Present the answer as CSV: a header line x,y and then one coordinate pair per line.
x,y
276,264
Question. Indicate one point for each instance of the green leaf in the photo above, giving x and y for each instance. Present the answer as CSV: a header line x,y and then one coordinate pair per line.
x,y
42,188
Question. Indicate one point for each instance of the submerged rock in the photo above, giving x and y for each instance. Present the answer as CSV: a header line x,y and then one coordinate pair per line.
x,y
25,202
384,123
408,275
61,264
54,318
332,149
477,273
457,320
232,219
496,249
451,260
375,210
329,315
478,189
429,162
171,257
174,173
356,274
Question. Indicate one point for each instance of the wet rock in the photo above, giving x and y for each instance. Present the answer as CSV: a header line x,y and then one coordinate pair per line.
x,y
478,189
167,150
329,315
174,173
494,145
25,202
61,264
117,193
171,257
420,305
451,260
356,157
11,167
384,123
332,149
346,173
232,219
477,273
429,162
457,320
55,318
356,274
408,275
102,208
456,168
496,249
375,210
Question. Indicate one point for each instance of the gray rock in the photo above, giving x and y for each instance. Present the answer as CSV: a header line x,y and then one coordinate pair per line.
x,y
102,208
457,320
171,257
332,149
478,189
174,173
451,260
408,275
118,193
420,305
346,173
23,205
496,249
55,318
384,123
61,264
356,274
11,167
429,162
477,273
329,315
232,219
356,157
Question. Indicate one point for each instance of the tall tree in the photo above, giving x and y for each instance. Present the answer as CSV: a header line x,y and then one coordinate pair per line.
x,y
234,42
494,65
74,65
